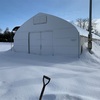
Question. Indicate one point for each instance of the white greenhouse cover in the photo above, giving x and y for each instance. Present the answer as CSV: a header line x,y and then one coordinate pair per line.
x,y
45,34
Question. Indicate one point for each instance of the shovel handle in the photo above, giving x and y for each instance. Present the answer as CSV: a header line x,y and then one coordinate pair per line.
x,y
48,80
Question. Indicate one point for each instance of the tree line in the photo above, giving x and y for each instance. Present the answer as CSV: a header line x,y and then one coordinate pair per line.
x,y
84,24
8,36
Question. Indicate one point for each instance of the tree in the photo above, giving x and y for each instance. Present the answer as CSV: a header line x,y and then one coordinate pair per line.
x,y
6,31
84,24
8,36
1,35
79,22
0,30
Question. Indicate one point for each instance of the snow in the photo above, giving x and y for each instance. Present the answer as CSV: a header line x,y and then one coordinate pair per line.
x,y
83,32
97,21
71,79
5,46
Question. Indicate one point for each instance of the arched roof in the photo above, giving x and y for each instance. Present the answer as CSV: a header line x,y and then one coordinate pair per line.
x,y
42,21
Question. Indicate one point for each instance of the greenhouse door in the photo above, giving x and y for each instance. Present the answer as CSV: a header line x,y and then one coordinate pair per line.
x,y
46,43
34,43
41,43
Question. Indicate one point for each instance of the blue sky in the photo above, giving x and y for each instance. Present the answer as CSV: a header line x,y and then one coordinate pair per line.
x,y
16,12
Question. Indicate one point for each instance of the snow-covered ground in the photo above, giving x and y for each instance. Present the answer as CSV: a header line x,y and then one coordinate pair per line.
x,y
71,79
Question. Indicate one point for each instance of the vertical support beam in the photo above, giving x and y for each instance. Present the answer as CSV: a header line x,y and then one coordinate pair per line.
x,y
11,37
29,42
90,27
40,43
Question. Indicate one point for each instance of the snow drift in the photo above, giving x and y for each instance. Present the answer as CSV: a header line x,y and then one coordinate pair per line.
x,y
71,79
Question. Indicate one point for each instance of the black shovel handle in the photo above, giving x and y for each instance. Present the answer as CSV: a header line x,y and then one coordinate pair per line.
x,y
48,80
44,85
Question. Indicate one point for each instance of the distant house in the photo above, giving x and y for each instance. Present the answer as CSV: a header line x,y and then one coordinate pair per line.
x,y
45,34
15,29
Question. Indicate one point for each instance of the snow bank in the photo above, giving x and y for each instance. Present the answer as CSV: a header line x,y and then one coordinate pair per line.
x,y
83,32
5,46
71,79
97,25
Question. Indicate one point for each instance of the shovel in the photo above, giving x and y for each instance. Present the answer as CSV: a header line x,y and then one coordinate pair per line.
x,y
46,81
